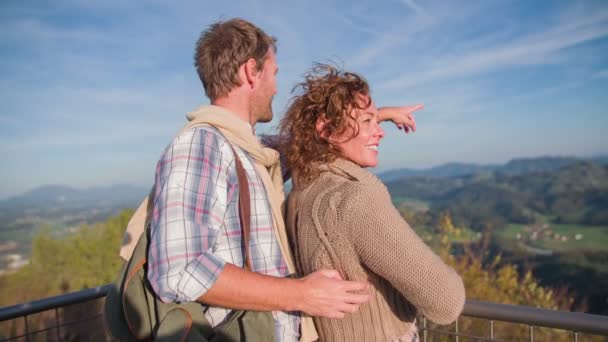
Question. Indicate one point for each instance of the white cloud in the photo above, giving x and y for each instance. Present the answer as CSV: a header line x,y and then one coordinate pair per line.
x,y
534,48
396,37
417,8
39,31
408,29
108,134
601,74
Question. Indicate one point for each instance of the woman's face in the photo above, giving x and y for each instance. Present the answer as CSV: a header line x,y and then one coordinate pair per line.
x,y
361,149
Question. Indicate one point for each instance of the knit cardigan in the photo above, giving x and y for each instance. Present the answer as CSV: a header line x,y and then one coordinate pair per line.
x,y
345,220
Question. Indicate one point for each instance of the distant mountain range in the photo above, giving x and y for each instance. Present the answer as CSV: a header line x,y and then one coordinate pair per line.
x,y
59,198
429,184
514,167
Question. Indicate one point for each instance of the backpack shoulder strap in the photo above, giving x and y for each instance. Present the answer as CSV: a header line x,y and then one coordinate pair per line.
x,y
244,199
244,207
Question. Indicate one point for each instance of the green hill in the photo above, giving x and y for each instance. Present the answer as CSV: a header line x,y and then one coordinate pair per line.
x,y
577,193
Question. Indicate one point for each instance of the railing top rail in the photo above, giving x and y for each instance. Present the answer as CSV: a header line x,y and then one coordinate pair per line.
x,y
10,312
574,321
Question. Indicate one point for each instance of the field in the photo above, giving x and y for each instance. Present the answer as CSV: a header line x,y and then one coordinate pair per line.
x,y
410,203
542,238
557,238
460,235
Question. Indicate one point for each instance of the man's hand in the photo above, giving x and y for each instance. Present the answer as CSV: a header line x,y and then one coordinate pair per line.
x,y
322,293
402,117
325,294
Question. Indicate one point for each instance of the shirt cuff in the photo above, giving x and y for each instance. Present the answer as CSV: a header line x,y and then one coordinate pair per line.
x,y
198,277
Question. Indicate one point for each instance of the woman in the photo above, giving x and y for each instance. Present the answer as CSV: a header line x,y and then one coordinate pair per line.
x,y
340,216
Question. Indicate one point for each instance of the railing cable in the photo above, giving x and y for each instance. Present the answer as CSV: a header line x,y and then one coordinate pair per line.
x,y
532,317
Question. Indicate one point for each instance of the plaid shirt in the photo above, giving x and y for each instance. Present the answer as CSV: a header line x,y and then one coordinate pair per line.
x,y
195,226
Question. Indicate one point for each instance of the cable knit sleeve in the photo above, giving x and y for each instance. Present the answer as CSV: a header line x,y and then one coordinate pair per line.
x,y
388,246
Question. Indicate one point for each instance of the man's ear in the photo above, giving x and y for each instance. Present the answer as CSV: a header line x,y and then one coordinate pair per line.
x,y
250,72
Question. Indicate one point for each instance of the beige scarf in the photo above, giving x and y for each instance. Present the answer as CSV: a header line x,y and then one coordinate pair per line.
x,y
268,167
267,164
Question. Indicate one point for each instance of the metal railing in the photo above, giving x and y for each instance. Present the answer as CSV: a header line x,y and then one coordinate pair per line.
x,y
573,323
54,331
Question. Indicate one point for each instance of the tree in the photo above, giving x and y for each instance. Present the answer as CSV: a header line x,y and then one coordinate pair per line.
x,y
496,282
87,259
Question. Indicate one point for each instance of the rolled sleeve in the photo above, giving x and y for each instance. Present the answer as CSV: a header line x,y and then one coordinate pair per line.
x,y
187,275
189,205
390,248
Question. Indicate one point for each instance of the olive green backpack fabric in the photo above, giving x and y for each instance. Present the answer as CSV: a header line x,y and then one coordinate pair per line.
x,y
134,313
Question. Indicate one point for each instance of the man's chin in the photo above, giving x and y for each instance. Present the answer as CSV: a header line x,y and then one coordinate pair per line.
x,y
266,117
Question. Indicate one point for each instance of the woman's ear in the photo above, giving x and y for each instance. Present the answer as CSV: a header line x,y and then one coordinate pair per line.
x,y
320,127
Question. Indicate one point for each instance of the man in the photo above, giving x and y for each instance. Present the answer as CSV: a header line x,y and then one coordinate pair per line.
x,y
195,251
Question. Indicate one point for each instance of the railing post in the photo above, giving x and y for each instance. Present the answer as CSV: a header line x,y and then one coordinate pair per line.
x,y
575,336
27,329
531,329
491,329
57,322
424,326
457,332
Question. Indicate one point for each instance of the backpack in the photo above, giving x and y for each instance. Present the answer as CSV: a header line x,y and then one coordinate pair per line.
x,y
133,312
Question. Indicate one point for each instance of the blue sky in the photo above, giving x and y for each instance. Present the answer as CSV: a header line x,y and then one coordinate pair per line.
x,y
92,91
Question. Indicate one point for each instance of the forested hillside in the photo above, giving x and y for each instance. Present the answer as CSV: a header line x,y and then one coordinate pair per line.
x,y
87,258
577,193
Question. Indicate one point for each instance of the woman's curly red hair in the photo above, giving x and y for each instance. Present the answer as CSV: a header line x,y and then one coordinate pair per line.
x,y
328,94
